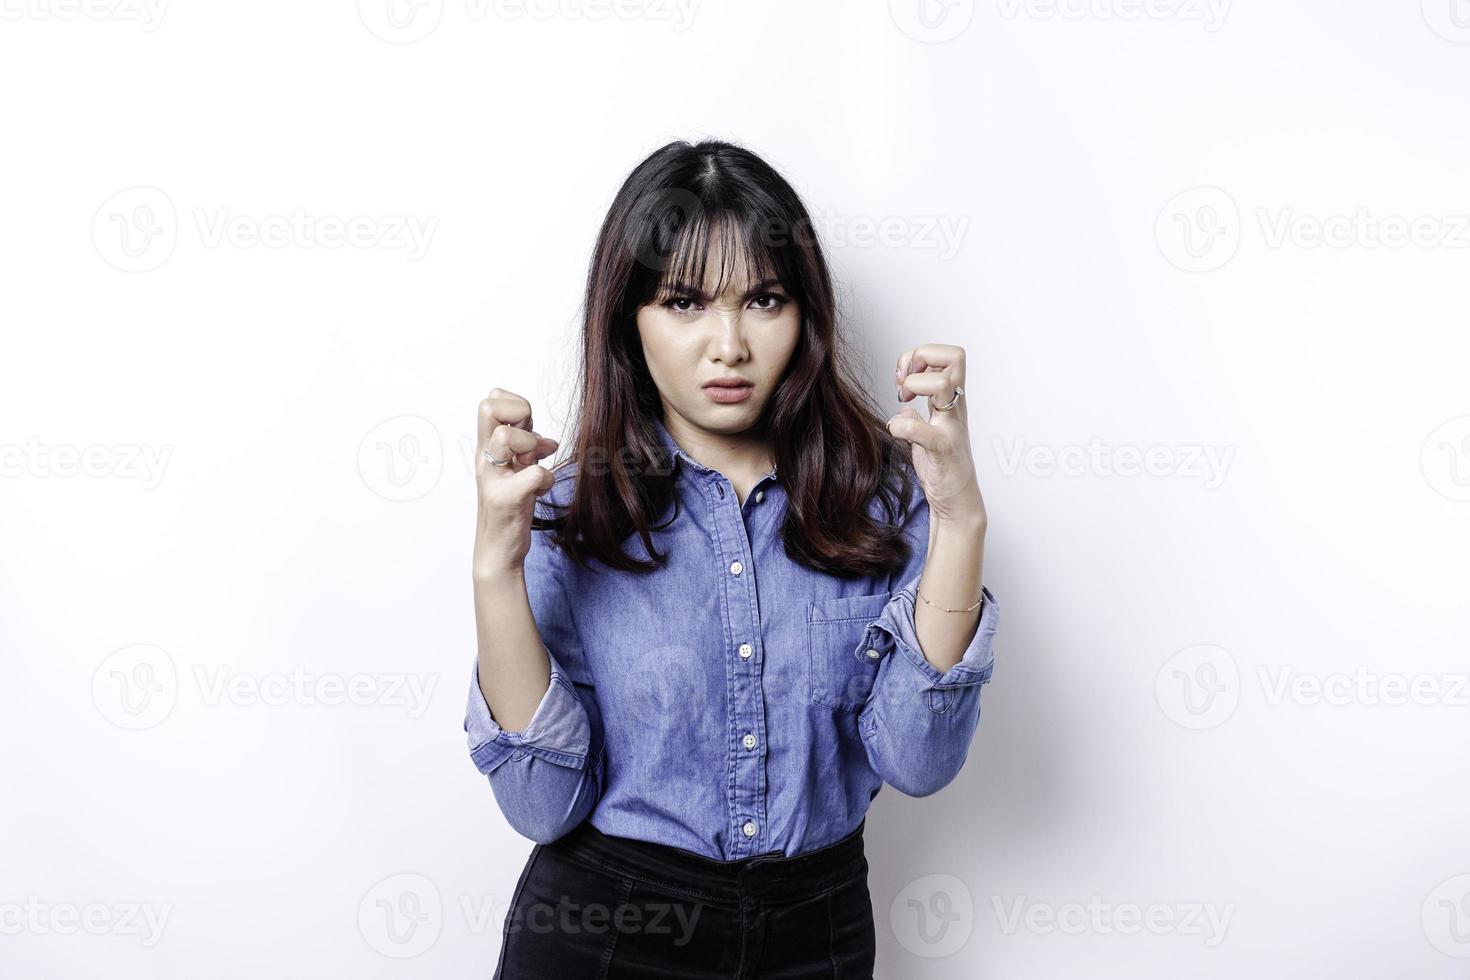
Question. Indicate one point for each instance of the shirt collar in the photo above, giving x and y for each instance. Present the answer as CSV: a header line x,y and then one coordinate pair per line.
x,y
667,441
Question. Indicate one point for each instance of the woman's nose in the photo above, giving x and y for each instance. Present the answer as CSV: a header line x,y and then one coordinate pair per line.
x,y
731,338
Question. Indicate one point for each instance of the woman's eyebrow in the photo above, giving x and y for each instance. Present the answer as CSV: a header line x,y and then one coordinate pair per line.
x,y
685,289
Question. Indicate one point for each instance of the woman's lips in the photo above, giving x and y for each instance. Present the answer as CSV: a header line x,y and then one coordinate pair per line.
x,y
728,395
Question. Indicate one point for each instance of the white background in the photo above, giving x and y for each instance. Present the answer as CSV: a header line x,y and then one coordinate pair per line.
x,y
1232,689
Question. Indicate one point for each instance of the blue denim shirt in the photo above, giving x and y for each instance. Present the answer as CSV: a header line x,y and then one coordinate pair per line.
x,y
732,703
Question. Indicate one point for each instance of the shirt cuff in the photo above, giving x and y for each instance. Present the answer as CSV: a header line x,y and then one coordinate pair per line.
x,y
897,622
557,732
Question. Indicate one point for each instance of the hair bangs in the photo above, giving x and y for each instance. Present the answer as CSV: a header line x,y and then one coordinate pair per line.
x,y
734,243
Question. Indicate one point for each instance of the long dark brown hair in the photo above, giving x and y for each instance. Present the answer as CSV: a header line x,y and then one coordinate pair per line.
x,y
832,447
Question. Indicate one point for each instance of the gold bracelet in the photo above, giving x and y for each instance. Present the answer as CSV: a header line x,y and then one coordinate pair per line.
x,y
936,606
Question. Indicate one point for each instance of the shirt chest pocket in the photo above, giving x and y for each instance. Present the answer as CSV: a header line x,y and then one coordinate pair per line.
x,y
841,660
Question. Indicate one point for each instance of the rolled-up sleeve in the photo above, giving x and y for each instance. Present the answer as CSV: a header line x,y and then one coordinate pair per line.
x,y
558,732
918,722
546,778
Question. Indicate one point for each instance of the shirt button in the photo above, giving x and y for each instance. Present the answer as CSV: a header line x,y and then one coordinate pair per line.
x,y
873,654
745,651
748,741
760,495
749,828
736,568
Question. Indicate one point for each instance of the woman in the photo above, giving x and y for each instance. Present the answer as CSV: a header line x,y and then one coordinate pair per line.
x,y
737,615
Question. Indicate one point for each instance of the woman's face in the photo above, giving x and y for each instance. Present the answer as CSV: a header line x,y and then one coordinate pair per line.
x,y
692,339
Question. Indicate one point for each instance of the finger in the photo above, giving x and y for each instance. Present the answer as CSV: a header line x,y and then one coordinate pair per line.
x,y
509,442
939,389
911,362
935,384
907,425
905,366
545,446
502,406
517,446
520,458
935,357
531,481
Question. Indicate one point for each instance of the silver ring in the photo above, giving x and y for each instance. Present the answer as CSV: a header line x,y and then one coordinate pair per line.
x,y
492,459
958,391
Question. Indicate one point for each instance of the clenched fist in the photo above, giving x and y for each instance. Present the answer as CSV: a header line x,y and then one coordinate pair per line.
x,y
507,493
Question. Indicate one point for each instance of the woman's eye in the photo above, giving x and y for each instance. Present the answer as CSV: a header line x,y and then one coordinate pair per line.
x,y
766,302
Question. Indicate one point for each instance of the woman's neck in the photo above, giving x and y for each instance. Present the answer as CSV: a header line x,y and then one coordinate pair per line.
x,y
744,458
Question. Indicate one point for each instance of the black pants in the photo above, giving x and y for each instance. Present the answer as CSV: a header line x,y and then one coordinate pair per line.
x,y
590,906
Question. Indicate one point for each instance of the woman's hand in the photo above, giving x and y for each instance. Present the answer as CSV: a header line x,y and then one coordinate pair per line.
x,y
507,494
941,444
